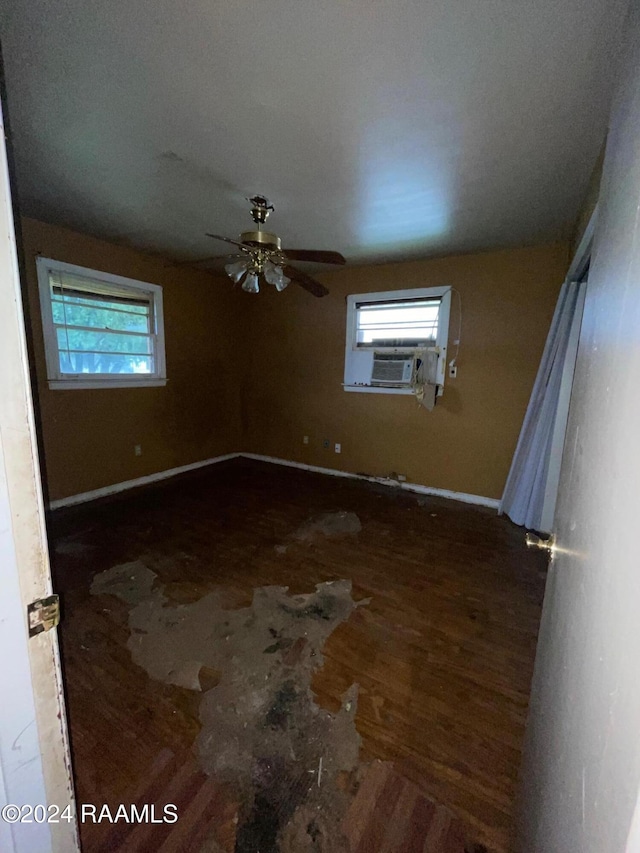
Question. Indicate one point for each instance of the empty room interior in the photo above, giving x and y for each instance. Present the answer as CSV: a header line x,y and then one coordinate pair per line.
x,y
303,289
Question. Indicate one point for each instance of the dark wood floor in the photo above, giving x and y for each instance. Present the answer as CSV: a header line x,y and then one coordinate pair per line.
x,y
443,654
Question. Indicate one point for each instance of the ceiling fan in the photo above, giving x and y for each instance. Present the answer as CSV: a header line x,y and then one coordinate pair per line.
x,y
260,255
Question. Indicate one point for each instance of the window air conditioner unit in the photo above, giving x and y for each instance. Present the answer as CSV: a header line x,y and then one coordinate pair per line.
x,y
392,369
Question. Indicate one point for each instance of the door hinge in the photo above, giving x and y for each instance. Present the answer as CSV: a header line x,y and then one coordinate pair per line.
x,y
43,614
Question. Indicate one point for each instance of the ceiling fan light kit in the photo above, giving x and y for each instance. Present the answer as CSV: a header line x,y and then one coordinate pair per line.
x,y
275,276
261,256
236,269
250,284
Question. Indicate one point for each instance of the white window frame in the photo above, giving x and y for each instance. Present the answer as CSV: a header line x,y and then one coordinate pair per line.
x,y
58,380
442,338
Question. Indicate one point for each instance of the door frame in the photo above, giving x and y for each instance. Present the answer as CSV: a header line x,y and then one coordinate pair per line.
x,y
35,762
577,272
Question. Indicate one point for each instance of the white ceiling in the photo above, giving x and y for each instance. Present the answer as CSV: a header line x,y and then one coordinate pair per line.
x,y
381,128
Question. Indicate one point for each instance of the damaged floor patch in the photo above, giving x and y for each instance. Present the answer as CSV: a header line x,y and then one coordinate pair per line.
x,y
287,759
329,524
132,582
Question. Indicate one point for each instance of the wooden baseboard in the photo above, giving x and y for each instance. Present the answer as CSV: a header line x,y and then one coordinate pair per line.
x,y
478,500
107,491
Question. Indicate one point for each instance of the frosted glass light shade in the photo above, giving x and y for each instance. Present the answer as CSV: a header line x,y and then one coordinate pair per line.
x,y
282,283
250,284
274,275
270,272
236,269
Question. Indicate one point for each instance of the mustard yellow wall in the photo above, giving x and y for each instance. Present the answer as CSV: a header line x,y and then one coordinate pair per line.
x,y
467,442
259,373
89,436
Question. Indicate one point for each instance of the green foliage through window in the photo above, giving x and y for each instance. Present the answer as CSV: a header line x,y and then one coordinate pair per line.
x,y
99,333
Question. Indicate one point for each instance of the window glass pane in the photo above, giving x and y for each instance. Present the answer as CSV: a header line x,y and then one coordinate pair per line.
x,y
102,302
83,339
74,313
103,327
400,324
101,363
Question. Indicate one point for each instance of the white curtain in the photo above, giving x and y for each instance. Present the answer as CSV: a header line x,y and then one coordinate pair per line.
x,y
527,487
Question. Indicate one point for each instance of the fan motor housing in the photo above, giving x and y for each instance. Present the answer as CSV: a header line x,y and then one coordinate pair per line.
x,y
261,239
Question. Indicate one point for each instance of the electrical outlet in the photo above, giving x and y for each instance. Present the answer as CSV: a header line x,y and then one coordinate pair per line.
x,y
138,450
305,439
338,448
453,370
326,443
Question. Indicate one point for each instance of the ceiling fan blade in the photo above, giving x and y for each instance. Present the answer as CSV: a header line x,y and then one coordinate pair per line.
x,y
226,240
198,261
314,287
318,257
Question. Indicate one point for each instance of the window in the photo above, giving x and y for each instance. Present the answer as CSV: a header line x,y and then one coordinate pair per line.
x,y
394,322
100,330
398,324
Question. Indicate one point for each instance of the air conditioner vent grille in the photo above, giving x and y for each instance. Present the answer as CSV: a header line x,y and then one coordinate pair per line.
x,y
392,369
